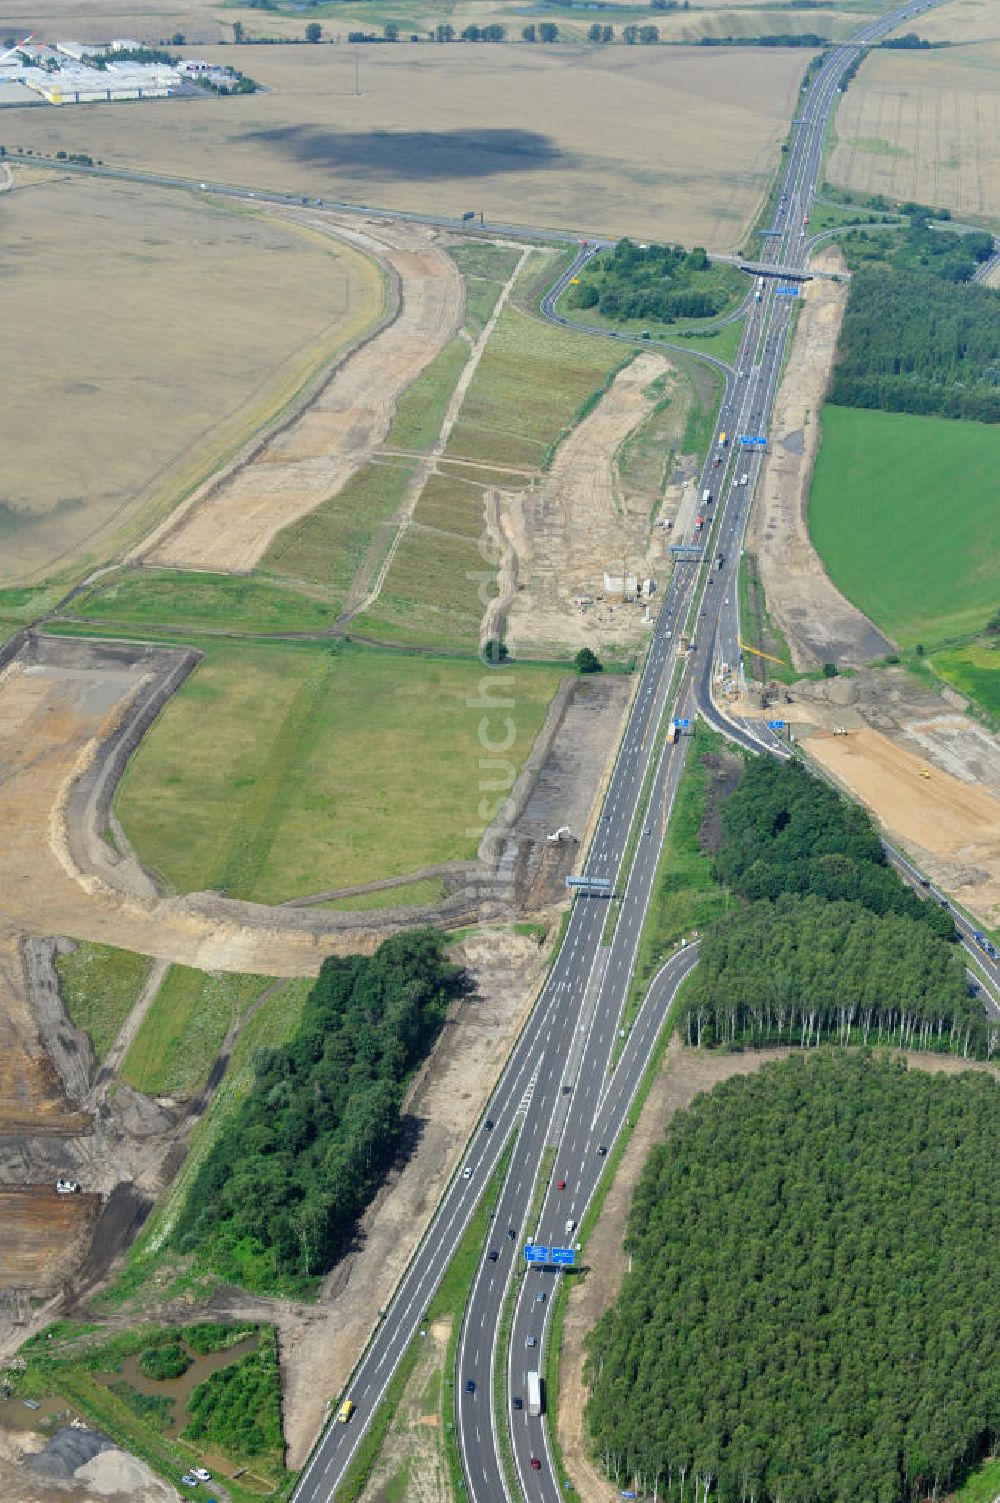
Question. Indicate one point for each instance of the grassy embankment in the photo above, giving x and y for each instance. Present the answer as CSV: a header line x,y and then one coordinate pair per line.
x,y
135,1288
315,775
99,985
126,1384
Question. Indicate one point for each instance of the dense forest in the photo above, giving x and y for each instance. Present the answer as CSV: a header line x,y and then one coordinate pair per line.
x,y
785,831
812,1309
915,342
801,970
278,1193
828,942
660,282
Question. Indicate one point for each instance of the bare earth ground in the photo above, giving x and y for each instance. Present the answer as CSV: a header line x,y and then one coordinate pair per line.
x,y
951,826
575,522
929,773
569,137
819,623
685,1074
247,306
111,1477
231,523
925,125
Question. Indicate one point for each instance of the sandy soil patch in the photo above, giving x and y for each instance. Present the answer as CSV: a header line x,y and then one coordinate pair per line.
x,y
111,1477
925,125
143,393
674,143
819,623
578,521
929,810
685,1074
231,523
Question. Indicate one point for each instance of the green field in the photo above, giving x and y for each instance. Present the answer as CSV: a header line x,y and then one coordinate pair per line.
x,y
428,890
974,670
220,601
315,775
99,985
903,513
183,1030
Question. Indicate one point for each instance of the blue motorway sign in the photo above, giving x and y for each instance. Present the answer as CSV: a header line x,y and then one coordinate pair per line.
x,y
534,1252
786,292
682,725
562,1257
753,441
776,725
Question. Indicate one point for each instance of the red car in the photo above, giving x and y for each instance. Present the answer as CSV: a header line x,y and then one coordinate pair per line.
x,y
536,1465
560,1184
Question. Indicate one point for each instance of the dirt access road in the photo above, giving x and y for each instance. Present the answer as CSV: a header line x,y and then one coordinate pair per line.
x,y
229,523
577,521
819,624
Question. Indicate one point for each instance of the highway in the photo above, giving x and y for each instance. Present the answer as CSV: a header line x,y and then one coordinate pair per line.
x,y
563,1088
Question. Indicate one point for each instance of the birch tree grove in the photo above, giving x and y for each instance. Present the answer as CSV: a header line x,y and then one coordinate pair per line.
x,y
813,1312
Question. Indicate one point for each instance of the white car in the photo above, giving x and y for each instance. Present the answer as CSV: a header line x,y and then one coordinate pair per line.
x,y
67,1187
201,1474
467,1172
744,478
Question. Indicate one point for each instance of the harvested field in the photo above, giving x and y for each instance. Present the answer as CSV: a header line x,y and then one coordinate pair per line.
x,y
925,125
670,143
188,374
232,522
818,622
577,521
45,1236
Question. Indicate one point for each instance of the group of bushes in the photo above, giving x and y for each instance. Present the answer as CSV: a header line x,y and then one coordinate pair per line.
x,y
278,1194
661,283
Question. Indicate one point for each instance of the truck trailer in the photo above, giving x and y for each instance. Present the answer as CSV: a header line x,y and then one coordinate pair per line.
x,y
534,1395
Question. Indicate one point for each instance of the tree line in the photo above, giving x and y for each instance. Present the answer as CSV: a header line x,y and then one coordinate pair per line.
x,y
911,342
827,942
276,1198
658,282
811,1310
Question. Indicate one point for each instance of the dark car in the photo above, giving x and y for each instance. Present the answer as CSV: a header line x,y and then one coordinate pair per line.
x,y
493,1255
602,1150
470,1385
488,1124
536,1465
518,1402
511,1232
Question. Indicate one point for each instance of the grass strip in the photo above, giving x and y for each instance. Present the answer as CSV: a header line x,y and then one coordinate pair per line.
x,y
685,895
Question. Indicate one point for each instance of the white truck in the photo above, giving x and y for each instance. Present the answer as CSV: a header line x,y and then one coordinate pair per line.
x,y
534,1395
706,498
